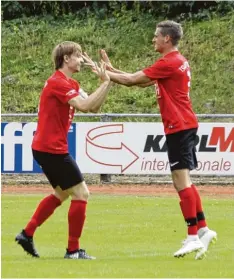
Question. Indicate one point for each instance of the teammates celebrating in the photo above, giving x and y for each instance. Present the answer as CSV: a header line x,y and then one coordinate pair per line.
x,y
61,95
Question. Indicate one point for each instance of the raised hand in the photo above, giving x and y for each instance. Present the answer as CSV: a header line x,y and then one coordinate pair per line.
x,y
88,61
105,58
101,71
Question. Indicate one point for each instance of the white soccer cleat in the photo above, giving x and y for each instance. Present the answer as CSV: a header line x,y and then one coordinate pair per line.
x,y
207,237
190,244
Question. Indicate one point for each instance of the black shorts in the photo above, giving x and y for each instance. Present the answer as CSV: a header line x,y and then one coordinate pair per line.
x,y
60,169
181,150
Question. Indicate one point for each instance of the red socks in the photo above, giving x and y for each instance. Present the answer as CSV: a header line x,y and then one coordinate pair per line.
x,y
76,218
200,215
188,208
44,210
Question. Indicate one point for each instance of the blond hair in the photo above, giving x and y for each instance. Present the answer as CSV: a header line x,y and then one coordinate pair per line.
x,y
64,48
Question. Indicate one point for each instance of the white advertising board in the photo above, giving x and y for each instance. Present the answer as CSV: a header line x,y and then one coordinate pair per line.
x,y
139,148
120,148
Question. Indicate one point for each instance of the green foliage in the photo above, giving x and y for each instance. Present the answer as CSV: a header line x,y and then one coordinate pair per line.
x,y
18,9
126,35
173,9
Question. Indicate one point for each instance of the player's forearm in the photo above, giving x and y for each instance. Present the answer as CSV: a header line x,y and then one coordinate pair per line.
x,y
123,78
98,97
117,71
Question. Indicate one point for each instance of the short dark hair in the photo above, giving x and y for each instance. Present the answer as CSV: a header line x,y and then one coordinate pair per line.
x,y
171,28
64,48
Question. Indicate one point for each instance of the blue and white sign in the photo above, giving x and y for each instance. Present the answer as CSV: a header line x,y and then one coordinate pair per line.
x,y
16,152
127,148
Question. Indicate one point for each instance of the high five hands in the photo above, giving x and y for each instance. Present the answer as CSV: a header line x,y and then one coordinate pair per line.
x,y
98,68
104,58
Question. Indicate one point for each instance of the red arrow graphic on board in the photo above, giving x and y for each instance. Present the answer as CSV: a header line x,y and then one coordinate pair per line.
x,y
121,155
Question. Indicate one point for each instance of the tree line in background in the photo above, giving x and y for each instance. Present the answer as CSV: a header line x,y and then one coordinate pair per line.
x,y
102,9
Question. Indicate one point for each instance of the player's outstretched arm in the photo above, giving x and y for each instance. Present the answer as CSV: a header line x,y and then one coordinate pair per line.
x,y
93,102
128,79
110,67
117,76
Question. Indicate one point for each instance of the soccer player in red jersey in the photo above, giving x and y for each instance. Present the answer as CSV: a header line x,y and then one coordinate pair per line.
x,y
60,97
171,76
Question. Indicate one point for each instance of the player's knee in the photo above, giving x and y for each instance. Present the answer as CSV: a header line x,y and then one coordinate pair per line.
x,y
79,192
176,176
86,194
81,195
181,179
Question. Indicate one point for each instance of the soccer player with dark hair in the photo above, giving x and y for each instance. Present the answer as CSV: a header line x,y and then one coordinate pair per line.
x,y
171,77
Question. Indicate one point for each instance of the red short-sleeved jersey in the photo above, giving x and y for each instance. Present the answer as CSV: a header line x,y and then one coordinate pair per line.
x,y
55,114
172,76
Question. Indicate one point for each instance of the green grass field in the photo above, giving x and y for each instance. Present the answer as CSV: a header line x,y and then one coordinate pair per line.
x,y
131,236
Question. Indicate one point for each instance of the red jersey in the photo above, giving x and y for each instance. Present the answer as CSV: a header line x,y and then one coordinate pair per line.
x,y
172,75
55,114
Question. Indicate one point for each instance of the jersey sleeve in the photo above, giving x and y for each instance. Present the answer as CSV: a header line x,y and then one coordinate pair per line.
x,y
159,70
64,90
